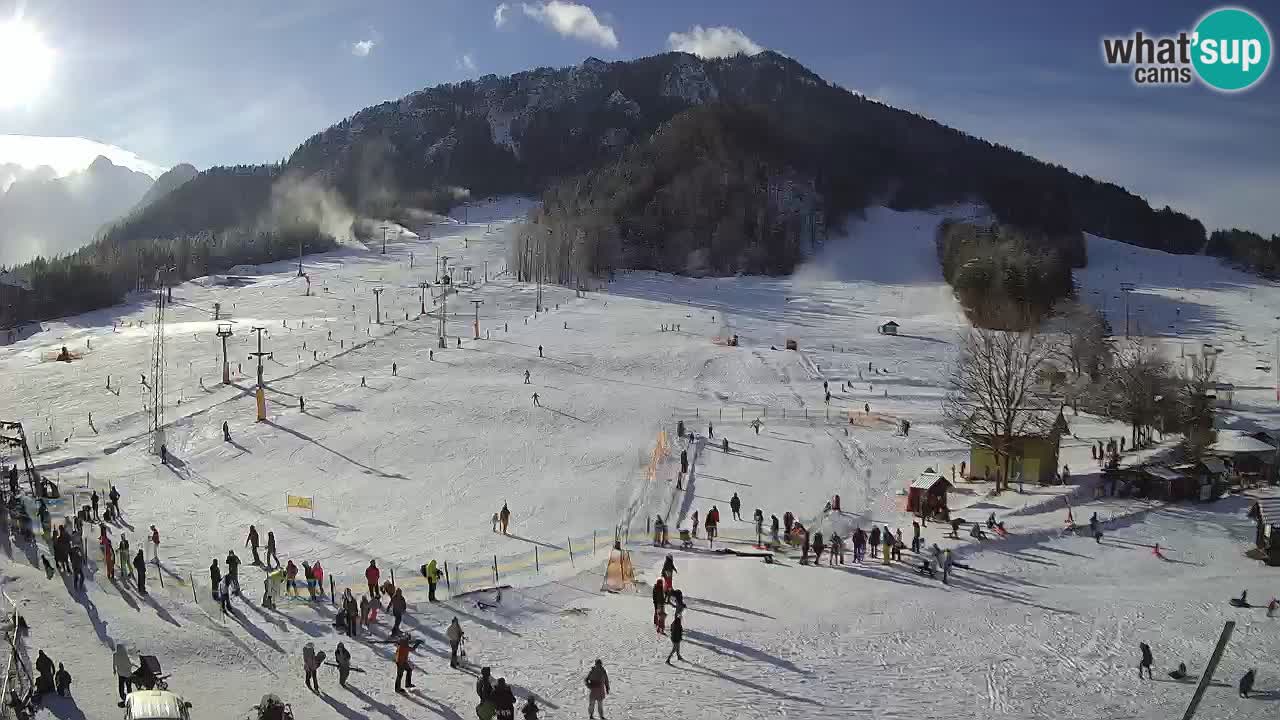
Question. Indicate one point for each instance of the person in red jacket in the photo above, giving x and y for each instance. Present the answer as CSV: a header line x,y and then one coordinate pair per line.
x,y
318,572
371,574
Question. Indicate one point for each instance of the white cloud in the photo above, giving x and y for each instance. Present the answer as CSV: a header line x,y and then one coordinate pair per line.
x,y
466,62
572,20
68,154
363,48
500,14
713,42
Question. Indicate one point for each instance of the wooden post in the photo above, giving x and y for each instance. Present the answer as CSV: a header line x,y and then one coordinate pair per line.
x,y
333,596
593,542
569,544
447,584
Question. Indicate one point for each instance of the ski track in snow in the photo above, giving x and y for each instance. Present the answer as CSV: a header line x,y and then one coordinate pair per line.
x,y
412,466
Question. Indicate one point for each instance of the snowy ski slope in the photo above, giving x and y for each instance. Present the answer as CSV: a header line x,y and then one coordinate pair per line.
x,y
410,466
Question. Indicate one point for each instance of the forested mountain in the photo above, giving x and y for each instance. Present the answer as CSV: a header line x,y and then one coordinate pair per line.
x,y
172,179
754,151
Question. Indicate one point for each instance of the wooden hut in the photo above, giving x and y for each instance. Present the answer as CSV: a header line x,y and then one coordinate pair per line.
x,y
1265,512
927,496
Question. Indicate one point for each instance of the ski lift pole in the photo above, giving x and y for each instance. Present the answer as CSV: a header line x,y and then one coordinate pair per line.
x,y
495,569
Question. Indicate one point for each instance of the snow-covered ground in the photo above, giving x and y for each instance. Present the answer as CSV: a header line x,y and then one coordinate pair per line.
x,y
409,466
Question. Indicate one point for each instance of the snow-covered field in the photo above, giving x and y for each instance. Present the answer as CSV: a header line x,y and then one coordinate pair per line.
x,y
410,466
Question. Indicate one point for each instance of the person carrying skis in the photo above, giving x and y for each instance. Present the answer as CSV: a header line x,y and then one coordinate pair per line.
x,y
1146,660
342,658
404,670
371,575
398,607
251,542
735,507
454,635
597,688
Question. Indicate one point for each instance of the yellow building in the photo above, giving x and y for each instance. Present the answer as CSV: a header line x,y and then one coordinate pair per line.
x,y
1035,456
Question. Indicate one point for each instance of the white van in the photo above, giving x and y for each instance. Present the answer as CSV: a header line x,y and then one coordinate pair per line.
x,y
155,705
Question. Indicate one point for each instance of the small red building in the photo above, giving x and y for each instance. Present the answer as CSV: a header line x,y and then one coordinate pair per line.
x,y
927,495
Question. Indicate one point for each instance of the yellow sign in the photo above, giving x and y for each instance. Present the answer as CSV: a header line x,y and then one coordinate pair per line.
x,y
302,502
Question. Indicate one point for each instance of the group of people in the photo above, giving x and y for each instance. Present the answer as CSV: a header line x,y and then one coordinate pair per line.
x,y
1146,660
502,519
664,594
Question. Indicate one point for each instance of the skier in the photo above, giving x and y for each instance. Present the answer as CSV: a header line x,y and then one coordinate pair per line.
x,y
837,550
504,517
773,529
395,370
251,542
94,499
1146,660
233,570
915,536
109,557
371,576
713,519
342,657
859,545
694,523
598,687
226,431
758,516
45,670
711,431
290,577
787,521
398,607
302,404
735,506
273,560
539,351
454,634
310,666
536,402
140,565
818,547
875,539
659,596
684,462
804,543
432,573
1246,683
366,610
309,575
350,613
215,578
77,567
124,671
677,635
319,573
114,498
724,445
660,619
526,377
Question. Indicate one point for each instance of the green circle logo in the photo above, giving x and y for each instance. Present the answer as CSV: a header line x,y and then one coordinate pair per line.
x,y
1232,49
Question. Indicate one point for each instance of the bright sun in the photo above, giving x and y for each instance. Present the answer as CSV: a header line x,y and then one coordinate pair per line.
x,y
26,64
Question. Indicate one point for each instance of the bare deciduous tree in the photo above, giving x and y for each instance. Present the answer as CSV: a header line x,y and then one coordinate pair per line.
x,y
1084,349
1195,408
1135,382
992,399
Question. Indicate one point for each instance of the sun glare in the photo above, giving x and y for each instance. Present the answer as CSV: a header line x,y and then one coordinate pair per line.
x,y
26,64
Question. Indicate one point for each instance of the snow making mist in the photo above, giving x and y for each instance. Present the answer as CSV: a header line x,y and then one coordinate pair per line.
x,y
307,201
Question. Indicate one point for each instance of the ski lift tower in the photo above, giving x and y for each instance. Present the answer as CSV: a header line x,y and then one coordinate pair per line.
x,y
155,420
12,435
224,332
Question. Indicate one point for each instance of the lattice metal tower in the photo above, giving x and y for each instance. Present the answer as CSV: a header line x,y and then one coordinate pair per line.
x,y
155,421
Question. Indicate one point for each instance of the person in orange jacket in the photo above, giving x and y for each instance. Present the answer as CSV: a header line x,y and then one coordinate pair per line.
x,y
403,669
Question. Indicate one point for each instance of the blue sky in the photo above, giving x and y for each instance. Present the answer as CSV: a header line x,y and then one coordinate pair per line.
x,y
247,80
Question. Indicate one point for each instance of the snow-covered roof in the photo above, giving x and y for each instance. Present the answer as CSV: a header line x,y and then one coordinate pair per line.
x,y
1237,442
1269,509
927,480
1162,472
1215,466
889,322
